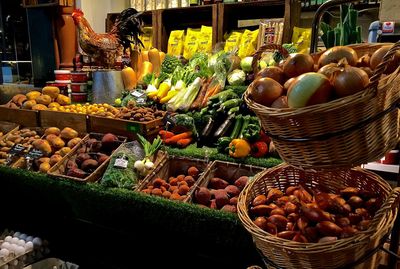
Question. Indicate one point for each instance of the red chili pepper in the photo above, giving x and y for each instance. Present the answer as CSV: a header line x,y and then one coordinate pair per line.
x,y
265,138
259,149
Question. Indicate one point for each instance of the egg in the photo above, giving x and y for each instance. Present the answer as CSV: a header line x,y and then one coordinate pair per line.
x,y
21,242
29,238
6,245
4,252
37,242
19,250
23,236
17,234
15,262
29,246
14,240
13,248
8,239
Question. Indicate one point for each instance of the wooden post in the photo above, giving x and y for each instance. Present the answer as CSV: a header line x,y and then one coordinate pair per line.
x,y
66,37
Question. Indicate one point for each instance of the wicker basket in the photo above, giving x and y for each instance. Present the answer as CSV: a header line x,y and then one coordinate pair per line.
x,y
345,132
338,254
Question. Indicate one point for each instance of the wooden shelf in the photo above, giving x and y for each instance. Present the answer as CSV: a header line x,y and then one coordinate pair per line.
x,y
388,168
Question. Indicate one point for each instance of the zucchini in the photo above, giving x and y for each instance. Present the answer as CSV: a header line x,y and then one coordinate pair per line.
x,y
238,127
233,110
246,122
225,106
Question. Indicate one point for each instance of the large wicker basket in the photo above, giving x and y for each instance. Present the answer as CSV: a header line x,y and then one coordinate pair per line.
x,y
342,253
345,132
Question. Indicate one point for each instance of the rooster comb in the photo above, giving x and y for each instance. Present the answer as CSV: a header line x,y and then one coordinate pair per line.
x,y
78,12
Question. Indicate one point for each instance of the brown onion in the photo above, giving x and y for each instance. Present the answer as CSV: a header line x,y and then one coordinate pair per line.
x,y
367,70
274,72
297,64
328,70
280,102
335,54
363,61
349,80
378,55
265,91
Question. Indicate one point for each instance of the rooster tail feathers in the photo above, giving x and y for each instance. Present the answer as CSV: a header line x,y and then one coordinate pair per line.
x,y
129,27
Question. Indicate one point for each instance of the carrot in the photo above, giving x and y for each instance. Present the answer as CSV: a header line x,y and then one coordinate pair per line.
x,y
177,137
210,92
165,134
183,143
199,99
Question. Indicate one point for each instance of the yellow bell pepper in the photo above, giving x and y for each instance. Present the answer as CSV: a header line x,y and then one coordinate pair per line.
x,y
239,148
169,96
163,89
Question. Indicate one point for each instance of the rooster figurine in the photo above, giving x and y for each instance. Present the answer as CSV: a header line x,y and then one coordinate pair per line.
x,y
104,48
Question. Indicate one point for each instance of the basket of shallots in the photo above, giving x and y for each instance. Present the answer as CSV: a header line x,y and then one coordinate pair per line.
x,y
307,219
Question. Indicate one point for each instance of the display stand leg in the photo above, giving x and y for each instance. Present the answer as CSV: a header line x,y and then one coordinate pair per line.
x,y
394,238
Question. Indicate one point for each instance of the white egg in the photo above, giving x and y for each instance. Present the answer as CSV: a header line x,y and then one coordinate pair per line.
x,y
15,262
4,252
29,238
14,248
8,239
6,245
29,246
17,234
23,236
20,250
37,242
14,240
21,242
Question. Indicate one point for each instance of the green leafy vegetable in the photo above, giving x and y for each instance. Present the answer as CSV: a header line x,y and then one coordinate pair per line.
x,y
169,64
149,148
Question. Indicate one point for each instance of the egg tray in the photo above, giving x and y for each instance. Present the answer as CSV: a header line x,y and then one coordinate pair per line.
x,y
173,166
59,169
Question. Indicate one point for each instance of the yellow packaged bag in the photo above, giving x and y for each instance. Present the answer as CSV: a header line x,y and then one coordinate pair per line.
x,y
248,43
175,42
191,43
302,39
232,41
205,39
147,38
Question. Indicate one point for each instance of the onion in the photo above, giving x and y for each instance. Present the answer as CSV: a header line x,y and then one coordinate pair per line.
x,y
367,70
363,61
287,84
265,91
273,72
349,80
378,55
297,64
281,102
335,54
328,70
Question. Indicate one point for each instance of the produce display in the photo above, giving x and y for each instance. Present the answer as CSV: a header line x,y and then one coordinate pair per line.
x,y
91,154
142,114
174,188
101,110
310,216
49,98
221,194
300,82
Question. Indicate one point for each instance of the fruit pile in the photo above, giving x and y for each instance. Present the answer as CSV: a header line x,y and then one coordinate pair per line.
x,y
101,110
55,144
90,155
221,194
323,217
298,81
25,137
49,98
175,188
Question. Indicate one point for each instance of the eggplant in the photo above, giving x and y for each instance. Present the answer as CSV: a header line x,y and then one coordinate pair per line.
x,y
224,127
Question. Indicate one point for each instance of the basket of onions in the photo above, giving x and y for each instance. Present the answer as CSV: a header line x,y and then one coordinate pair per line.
x,y
332,109
304,219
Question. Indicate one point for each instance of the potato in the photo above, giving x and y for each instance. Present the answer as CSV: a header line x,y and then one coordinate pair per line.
x,y
68,133
43,100
55,159
63,100
64,151
33,95
58,143
39,107
42,145
52,130
44,167
51,91
29,104
73,142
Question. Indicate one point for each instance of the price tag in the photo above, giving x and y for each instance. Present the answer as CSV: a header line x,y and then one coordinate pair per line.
x,y
16,149
34,154
137,94
141,100
121,163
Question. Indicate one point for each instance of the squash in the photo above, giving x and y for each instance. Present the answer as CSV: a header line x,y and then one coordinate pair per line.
x,y
135,55
162,56
145,55
147,68
154,58
129,78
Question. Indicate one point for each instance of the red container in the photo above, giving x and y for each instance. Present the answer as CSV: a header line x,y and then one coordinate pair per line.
x,y
79,77
392,157
79,97
79,87
62,74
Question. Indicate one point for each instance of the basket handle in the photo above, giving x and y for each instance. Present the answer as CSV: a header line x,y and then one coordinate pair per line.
x,y
267,47
382,66
391,203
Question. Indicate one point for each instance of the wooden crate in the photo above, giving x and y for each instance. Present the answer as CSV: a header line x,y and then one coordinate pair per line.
x,y
20,116
6,127
61,120
125,127
227,171
174,166
58,170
